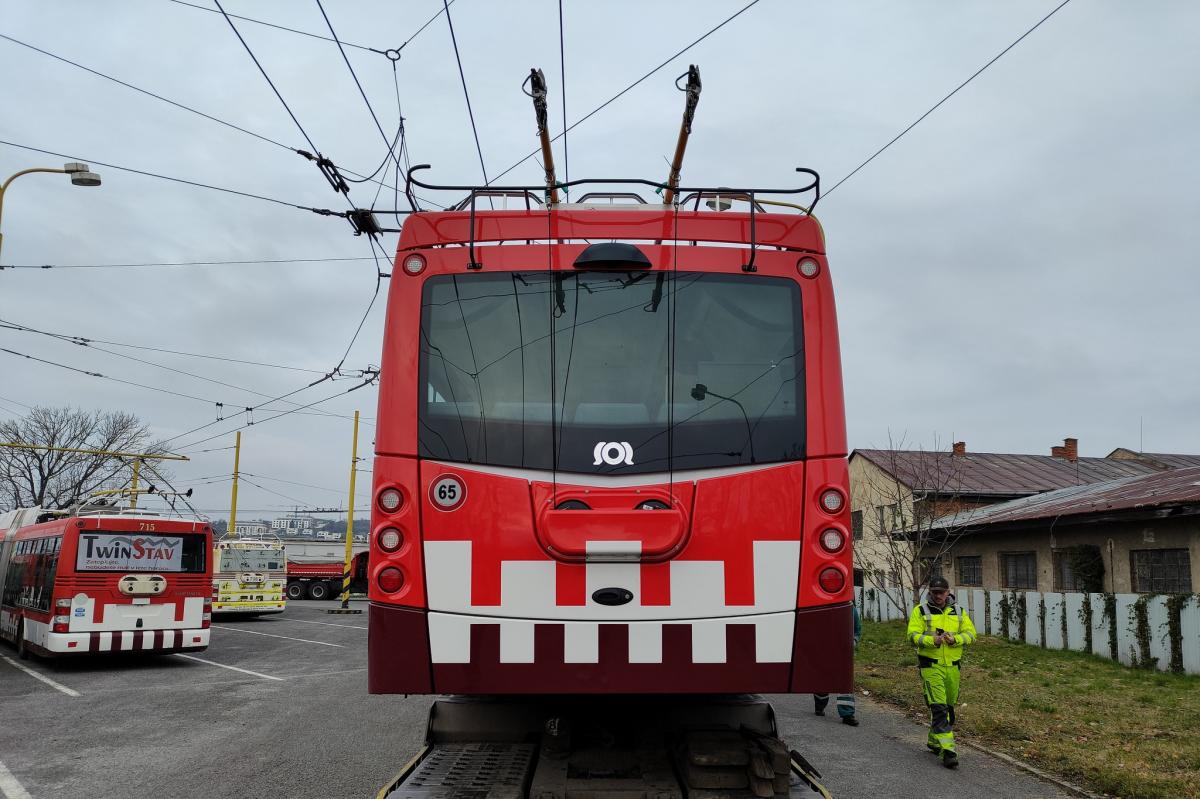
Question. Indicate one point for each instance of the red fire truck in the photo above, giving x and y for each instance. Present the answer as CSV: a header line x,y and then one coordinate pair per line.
x,y
101,579
611,461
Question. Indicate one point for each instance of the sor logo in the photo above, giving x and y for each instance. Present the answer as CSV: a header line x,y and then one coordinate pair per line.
x,y
613,453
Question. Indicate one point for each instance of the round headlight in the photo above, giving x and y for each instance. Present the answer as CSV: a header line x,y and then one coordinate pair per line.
x,y
832,501
808,267
390,539
831,580
390,499
414,264
391,580
832,540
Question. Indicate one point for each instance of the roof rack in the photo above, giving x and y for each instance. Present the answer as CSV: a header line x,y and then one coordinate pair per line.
x,y
698,191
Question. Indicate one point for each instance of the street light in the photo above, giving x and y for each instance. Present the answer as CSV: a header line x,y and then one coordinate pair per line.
x,y
81,175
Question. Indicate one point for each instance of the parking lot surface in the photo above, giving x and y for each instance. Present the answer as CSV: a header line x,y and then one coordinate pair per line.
x,y
278,707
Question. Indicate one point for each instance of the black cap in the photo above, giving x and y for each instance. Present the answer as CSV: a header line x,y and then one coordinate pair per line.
x,y
939,582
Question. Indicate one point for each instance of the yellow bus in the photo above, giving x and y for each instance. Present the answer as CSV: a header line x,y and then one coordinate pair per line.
x,y
249,576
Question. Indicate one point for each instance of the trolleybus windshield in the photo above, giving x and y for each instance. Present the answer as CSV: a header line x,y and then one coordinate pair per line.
x,y
611,372
251,560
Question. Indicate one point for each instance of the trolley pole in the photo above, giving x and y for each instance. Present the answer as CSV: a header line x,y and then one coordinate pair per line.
x,y
350,520
237,457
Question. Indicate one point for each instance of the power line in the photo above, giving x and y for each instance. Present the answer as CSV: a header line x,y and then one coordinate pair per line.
x,y
184,263
366,382
628,88
462,75
389,145
190,354
108,377
279,27
5,324
178,104
270,82
938,104
321,211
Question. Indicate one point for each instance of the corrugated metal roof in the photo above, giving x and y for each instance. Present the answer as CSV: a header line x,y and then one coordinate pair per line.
x,y
1174,461
994,474
1173,487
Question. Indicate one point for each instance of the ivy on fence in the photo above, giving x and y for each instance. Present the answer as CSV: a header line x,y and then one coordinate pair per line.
x,y
1042,621
1110,613
1139,618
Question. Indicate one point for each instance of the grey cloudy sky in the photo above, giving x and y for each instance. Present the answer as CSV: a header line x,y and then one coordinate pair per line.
x,y
1020,268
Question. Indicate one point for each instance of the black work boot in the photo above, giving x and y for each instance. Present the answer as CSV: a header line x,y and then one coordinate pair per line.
x,y
853,722
949,758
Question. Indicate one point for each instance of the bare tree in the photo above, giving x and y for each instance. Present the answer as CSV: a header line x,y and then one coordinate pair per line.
x,y
50,479
909,498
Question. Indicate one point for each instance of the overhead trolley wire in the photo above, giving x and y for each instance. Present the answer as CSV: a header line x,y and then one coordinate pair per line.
x,y
182,106
628,88
186,263
321,211
5,324
462,75
939,103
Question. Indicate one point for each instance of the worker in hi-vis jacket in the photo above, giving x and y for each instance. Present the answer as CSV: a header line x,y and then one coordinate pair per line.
x,y
939,630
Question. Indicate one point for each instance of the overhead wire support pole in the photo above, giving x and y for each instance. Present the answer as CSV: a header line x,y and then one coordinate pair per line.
x,y
537,90
692,90
349,563
237,458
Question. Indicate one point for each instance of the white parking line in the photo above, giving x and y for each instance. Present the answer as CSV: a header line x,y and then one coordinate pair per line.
x,y
231,668
9,785
272,635
55,685
327,624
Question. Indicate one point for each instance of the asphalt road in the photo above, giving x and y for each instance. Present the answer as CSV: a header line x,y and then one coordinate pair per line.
x,y
278,707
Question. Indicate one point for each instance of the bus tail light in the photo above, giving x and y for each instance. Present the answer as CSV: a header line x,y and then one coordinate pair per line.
x,y
390,539
832,501
391,580
832,540
206,617
832,581
61,623
390,500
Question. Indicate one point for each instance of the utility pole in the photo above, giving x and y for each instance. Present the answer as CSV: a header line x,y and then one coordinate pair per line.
x,y
349,563
237,457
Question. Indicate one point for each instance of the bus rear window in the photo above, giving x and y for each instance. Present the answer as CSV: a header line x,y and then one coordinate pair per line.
x,y
106,551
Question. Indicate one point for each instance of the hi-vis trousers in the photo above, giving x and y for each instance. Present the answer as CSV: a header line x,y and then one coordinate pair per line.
x,y
940,684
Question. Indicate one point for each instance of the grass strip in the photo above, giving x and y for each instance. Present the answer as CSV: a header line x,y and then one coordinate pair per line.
x,y
1128,732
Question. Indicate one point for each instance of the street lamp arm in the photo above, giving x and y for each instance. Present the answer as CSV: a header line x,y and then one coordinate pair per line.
x,y
16,175
80,176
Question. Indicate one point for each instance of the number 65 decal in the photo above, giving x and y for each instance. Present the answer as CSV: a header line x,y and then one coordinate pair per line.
x,y
447,493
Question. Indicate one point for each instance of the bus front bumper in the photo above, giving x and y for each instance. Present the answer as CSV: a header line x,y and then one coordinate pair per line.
x,y
126,641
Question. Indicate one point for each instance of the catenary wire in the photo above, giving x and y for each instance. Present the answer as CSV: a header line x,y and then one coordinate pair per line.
x,y
463,76
182,106
8,325
197,184
938,104
164,264
391,146
628,88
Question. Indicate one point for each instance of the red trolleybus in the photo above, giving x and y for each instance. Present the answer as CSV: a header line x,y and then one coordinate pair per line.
x,y
611,451
104,580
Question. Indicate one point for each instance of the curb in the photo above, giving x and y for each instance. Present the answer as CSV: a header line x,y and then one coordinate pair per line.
x,y
1035,771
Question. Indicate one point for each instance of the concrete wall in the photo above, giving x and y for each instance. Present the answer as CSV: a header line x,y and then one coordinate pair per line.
x,y
1115,540
1057,620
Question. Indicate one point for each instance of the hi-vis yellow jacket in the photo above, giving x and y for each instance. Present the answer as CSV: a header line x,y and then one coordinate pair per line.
x,y
927,619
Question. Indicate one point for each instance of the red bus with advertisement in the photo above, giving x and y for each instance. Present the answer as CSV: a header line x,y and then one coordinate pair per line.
x,y
611,449
101,579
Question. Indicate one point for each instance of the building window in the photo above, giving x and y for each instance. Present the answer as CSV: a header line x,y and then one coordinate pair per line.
x,y
1160,571
970,570
930,568
1079,568
856,524
881,521
1018,570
